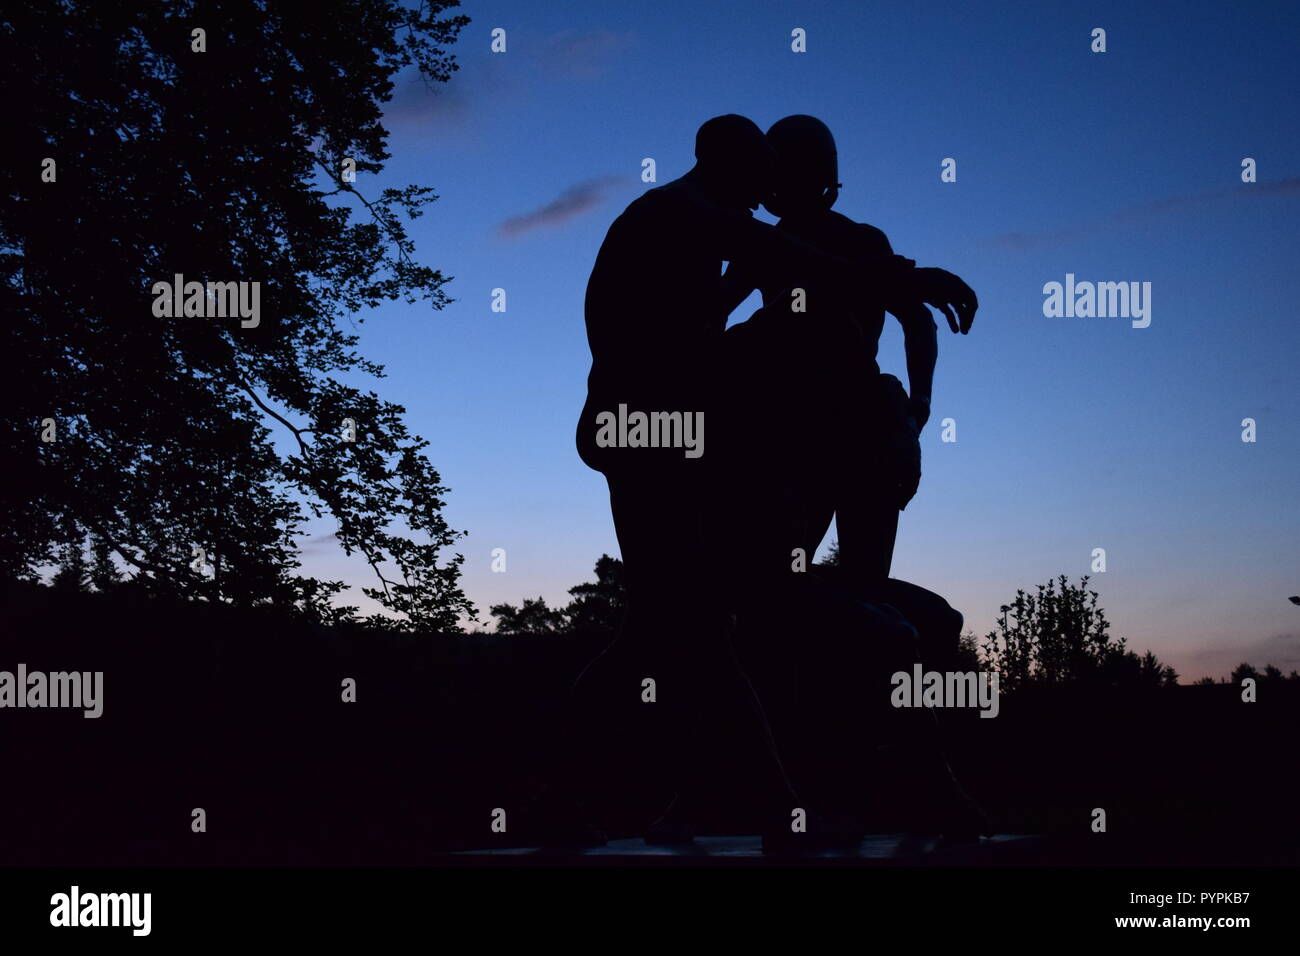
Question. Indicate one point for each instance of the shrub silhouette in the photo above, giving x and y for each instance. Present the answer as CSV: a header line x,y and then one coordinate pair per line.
x,y
1059,635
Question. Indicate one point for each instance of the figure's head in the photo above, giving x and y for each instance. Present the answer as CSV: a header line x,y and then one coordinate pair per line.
x,y
734,159
807,166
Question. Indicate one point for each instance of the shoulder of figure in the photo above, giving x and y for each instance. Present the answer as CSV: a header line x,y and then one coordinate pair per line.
x,y
869,236
676,197
649,200
654,205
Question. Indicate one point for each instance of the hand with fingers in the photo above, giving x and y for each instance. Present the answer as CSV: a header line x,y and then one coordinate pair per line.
x,y
949,294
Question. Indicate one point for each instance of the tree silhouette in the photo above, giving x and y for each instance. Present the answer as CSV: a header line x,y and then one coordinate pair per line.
x,y
968,652
230,164
1271,673
597,607
72,574
1241,672
532,617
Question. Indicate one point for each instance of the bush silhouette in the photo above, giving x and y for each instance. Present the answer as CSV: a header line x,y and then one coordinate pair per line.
x,y
1059,635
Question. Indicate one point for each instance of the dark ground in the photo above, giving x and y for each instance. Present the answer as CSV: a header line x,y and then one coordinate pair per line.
x,y
239,713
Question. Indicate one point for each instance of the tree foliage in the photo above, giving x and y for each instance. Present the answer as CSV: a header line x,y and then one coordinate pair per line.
x,y
597,607
223,165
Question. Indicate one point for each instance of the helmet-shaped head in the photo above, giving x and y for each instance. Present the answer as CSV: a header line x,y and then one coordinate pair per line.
x,y
807,166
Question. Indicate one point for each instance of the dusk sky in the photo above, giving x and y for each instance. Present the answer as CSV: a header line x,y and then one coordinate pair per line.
x,y
1072,433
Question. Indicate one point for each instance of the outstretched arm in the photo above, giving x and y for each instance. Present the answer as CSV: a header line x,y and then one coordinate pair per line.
x,y
921,287
778,257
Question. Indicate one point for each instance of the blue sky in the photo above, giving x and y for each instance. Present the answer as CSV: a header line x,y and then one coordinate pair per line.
x,y
1072,433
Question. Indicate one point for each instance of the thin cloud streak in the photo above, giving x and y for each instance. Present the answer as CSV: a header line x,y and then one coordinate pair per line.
x,y
570,204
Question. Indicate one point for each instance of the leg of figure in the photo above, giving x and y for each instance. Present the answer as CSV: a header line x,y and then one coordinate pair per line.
x,y
676,628
867,527
866,473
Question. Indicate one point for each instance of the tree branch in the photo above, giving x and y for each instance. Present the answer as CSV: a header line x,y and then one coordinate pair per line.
x,y
378,216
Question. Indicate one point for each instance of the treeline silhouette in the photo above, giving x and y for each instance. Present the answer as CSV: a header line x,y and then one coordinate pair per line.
x,y
240,711
1269,675
1055,635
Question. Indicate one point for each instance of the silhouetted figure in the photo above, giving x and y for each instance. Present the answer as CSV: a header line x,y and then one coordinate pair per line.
x,y
655,315
865,426
813,430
